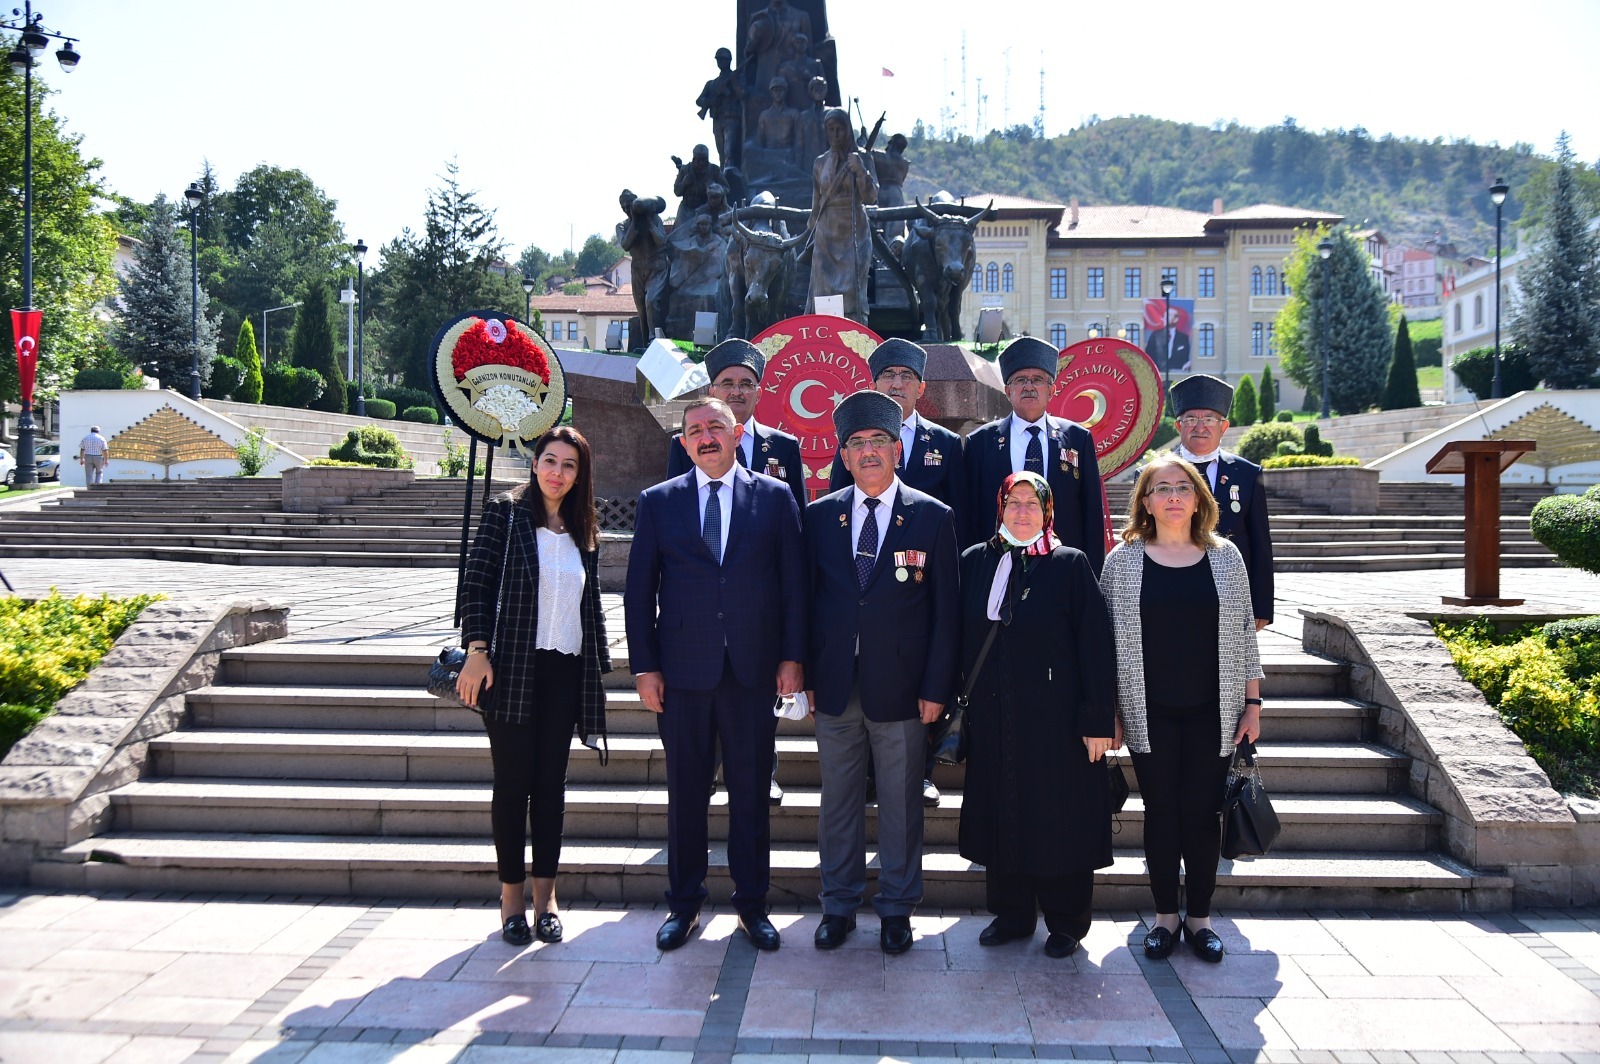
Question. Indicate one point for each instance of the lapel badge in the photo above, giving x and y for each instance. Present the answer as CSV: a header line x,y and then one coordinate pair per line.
x,y
844,519
1002,442
765,446
1025,594
927,436
899,519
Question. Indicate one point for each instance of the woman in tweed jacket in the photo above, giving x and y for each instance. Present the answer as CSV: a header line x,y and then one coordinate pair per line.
x,y
1188,685
534,568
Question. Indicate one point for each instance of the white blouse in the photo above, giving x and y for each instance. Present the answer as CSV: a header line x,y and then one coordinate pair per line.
x,y
560,594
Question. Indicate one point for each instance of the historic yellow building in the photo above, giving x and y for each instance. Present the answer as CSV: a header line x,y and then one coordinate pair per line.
x,y
1059,271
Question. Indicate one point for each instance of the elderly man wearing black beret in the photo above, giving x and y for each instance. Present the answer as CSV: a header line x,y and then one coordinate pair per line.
x,y
1031,439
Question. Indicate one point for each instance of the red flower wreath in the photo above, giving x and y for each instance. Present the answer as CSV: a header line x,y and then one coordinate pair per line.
x,y
478,347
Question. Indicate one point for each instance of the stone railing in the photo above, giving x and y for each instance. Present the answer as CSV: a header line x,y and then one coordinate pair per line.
x,y
307,489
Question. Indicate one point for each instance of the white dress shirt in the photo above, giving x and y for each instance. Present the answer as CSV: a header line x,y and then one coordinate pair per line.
x,y
908,436
561,577
747,443
1019,441
1197,460
858,514
724,501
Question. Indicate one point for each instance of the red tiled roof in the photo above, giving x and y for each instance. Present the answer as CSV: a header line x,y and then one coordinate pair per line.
x,y
590,303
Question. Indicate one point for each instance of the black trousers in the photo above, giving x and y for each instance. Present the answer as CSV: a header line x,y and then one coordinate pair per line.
x,y
530,770
1066,901
1181,781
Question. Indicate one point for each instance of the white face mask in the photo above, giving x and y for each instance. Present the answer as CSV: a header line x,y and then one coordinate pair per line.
x,y
1005,533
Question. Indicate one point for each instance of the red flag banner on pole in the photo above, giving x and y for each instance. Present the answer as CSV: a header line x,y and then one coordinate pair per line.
x,y
888,73
25,327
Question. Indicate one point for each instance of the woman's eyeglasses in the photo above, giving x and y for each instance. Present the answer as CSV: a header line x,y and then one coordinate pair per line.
x,y
1166,491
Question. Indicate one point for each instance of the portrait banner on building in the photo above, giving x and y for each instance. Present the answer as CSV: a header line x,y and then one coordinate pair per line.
x,y
499,380
813,361
1170,344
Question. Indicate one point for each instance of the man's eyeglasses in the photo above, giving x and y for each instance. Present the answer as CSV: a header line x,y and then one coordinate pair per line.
x,y
898,376
857,444
1166,491
1191,421
1030,382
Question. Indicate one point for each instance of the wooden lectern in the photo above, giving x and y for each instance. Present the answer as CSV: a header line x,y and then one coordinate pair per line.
x,y
1482,461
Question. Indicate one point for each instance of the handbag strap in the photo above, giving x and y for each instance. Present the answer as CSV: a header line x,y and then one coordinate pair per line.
x,y
977,666
500,594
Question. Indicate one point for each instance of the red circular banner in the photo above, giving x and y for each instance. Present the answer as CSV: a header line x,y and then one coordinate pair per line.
x,y
813,361
1113,389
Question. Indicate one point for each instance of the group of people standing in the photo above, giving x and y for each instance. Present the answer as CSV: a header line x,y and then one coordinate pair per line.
x,y
863,607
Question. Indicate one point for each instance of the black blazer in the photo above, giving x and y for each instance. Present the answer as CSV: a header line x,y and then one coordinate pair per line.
x,y
684,612
934,467
777,455
1075,489
515,684
1239,481
908,631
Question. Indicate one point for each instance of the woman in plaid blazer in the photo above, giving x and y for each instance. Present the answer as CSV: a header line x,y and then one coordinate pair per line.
x,y
536,649
1188,685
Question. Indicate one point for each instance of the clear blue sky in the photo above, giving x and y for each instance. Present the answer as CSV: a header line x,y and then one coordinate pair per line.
x,y
549,113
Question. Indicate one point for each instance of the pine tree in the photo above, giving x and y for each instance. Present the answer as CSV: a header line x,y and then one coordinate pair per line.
x,y
245,351
1401,392
312,346
1557,321
1267,394
1245,410
1359,344
153,322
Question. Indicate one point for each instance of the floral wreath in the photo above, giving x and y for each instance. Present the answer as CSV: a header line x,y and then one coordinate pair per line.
x,y
498,379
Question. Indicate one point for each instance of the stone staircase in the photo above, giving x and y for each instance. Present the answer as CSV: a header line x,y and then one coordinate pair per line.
x,y
326,769
1373,435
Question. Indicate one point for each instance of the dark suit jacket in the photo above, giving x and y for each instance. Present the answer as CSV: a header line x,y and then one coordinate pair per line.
x,y
1156,348
934,467
777,455
1080,513
909,631
1247,527
682,608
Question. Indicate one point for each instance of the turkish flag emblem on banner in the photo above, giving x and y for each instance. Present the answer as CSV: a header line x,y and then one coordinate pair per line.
x,y
25,327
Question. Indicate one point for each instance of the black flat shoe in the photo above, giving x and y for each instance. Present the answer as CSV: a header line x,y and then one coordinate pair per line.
x,y
1205,942
516,930
998,933
675,931
1158,943
1059,946
759,930
833,930
895,934
548,928
774,793
930,795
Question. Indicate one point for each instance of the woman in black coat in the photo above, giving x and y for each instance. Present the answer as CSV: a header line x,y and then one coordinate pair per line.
x,y
1036,810
536,649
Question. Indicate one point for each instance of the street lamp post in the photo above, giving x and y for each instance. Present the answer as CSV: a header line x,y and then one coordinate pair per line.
x,y
195,197
35,39
361,327
1167,286
1497,194
264,344
1325,249
527,303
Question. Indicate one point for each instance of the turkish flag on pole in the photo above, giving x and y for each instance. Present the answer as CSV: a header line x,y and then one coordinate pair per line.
x,y
888,73
25,327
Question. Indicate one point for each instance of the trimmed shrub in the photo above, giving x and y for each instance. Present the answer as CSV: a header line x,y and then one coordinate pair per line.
x,y
1570,526
1475,369
380,408
350,396
1245,409
1284,416
1400,391
1313,443
98,380
291,386
1585,628
423,415
244,350
403,397
1261,441
372,446
1428,350
1307,461
1286,448
336,462
227,376
1267,394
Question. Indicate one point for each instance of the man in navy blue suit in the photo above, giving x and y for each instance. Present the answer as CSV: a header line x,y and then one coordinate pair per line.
x,y
735,367
1030,439
715,613
930,455
1202,403
885,632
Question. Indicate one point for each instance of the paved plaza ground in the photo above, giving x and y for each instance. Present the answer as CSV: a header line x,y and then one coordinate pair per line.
x,y
153,978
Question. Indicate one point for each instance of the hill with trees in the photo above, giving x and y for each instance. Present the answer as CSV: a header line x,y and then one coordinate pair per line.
x,y
1410,189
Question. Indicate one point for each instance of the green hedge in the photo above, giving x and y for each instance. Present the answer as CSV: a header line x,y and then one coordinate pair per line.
x,y
1307,461
1475,369
404,397
372,446
1260,442
227,374
292,386
1570,526
48,646
1547,690
380,408
95,379
423,415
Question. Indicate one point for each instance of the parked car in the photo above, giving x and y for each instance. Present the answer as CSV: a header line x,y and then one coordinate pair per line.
x,y
47,461
8,468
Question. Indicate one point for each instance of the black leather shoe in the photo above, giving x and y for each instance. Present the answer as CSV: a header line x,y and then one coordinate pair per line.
x,y
759,930
676,930
1205,942
895,935
998,933
1059,946
930,794
548,928
833,930
1158,943
775,793
516,930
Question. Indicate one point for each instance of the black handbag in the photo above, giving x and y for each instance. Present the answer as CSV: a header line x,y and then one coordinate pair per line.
x,y
1249,824
446,668
1119,786
948,735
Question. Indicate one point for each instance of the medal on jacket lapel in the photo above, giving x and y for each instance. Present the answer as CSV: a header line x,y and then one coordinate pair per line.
x,y
1233,495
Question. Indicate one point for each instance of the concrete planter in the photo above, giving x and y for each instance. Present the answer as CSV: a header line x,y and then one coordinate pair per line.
x,y
1345,489
307,489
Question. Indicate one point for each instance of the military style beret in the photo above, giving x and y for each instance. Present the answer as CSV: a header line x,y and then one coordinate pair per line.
x,y
1201,391
861,411
897,352
735,352
1028,352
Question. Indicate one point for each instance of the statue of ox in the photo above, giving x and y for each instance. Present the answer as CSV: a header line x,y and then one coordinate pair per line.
x,y
759,269
938,255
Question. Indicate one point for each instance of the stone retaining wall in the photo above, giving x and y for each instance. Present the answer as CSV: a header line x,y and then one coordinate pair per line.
x,y
1345,489
307,489
54,782
1499,808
